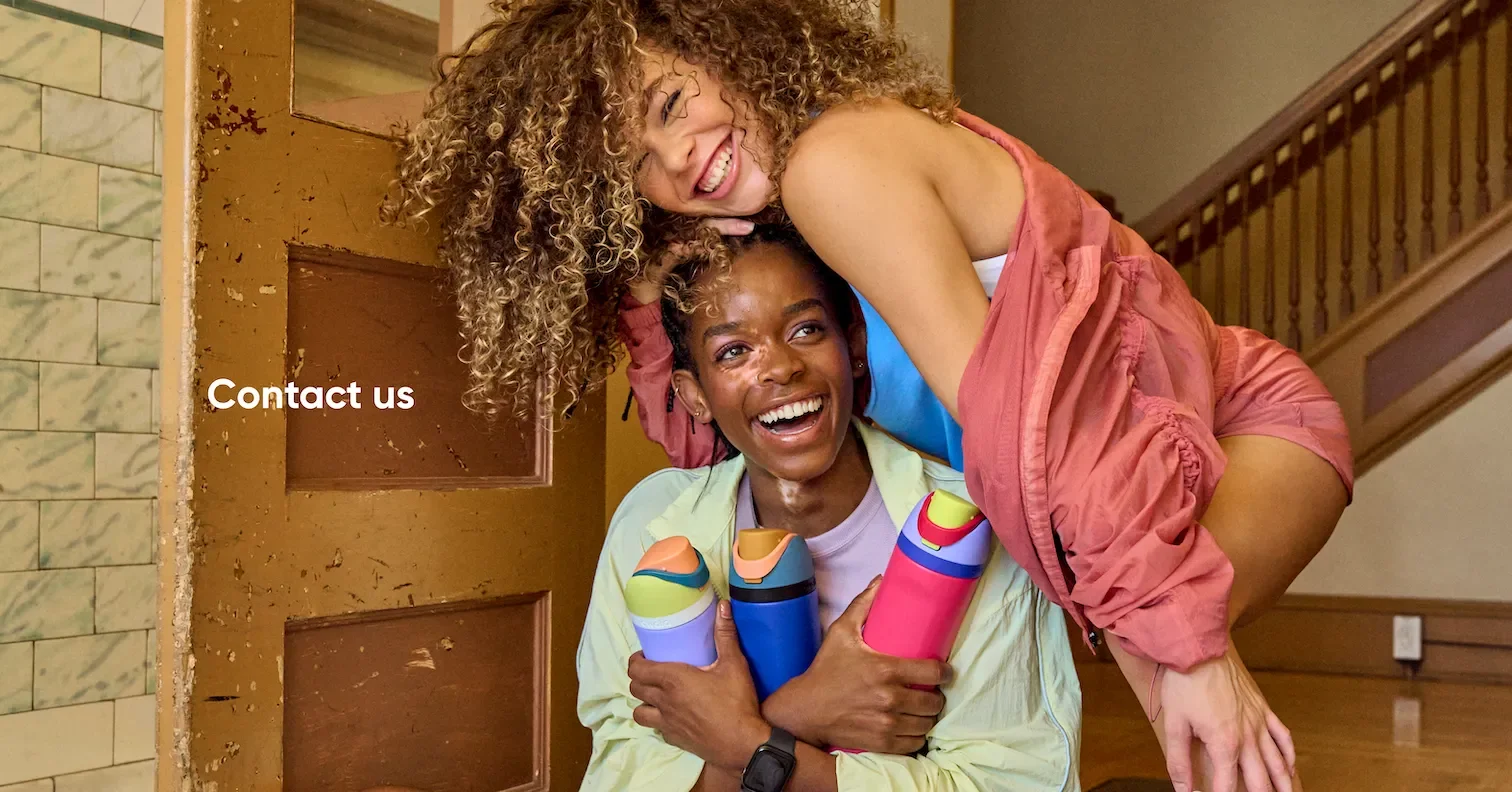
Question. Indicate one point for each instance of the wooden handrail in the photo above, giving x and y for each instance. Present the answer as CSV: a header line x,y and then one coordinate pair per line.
x,y
1308,153
1274,134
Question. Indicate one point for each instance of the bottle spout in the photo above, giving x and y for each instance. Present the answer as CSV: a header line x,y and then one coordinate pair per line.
x,y
950,511
754,544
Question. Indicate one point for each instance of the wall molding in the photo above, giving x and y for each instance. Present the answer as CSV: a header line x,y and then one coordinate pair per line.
x,y
1463,640
1438,338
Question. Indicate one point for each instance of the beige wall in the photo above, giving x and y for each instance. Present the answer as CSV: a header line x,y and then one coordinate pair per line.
x,y
929,25
1137,97
628,455
1433,520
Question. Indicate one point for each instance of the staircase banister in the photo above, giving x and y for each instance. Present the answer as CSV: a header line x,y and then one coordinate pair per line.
x,y
1264,141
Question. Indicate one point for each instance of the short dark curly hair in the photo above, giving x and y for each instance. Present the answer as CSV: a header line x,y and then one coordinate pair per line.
x,y
693,276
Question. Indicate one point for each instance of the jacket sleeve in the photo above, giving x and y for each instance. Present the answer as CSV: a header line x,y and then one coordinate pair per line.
x,y
627,757
1266,389
688,444
1011,718
1132,461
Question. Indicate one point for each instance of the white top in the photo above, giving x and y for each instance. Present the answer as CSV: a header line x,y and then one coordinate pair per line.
x,y
989,270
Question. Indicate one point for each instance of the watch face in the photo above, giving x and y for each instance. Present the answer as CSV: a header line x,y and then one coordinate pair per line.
x,y
767,772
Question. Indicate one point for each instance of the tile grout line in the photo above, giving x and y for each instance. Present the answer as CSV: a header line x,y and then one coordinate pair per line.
x,y
91,567
41,153
86,21
46,87
39,363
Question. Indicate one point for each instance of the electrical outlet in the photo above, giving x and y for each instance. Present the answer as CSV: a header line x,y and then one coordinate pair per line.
x,y
1407,638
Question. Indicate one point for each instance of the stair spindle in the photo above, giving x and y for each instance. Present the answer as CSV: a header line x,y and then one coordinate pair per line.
x,y
1268,297
1294,281
1346,227
1196,283
1220,203
1244,246
1482,133
1456,22
1507,117
1400,267
1428,245
1373,274
1320,263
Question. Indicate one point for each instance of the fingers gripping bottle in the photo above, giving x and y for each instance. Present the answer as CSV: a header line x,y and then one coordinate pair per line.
x,y
775,605
672,605
930,579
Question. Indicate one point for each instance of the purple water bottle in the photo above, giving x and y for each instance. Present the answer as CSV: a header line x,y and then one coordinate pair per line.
x,y
672,605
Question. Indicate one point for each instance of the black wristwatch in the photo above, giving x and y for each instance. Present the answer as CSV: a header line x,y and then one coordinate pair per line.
x,y
772,764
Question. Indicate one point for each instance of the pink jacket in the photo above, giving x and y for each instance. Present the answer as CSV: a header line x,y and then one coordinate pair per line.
x,y
689,444
1091,411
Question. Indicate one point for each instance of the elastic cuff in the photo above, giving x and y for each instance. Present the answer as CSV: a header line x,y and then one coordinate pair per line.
x,y
639,316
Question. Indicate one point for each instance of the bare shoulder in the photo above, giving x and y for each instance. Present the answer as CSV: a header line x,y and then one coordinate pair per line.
x,y
857,146
879,119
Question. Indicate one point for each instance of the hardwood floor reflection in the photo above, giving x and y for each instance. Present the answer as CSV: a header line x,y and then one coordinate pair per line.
x,y
1353,734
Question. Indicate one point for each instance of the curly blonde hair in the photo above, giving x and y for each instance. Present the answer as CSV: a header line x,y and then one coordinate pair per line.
x,y
526,153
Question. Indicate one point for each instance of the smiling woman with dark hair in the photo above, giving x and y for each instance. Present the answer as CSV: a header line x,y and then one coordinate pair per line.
x,y
770,350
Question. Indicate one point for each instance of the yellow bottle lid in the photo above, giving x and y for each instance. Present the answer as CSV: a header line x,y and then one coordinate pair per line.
x,y
950,511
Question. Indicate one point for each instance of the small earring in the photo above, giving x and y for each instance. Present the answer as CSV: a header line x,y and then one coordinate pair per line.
x,y
860,365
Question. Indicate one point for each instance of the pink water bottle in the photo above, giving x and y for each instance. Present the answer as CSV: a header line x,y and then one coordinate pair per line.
x,y
930,579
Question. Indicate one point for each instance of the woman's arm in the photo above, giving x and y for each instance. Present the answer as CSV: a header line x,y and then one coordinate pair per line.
x,y
688,443
815,772
712,713
1275,506
858,187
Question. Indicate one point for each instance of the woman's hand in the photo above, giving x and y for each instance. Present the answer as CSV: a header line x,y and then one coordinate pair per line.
x,y
711,712
647,288
855,697
1218,704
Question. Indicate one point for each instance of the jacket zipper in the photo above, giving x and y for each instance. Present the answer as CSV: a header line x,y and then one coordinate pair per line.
x,y
1094,638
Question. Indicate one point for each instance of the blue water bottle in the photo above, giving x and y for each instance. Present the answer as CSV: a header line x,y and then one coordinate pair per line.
x,y
775,605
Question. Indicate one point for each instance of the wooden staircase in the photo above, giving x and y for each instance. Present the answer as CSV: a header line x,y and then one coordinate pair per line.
x,y
1364,227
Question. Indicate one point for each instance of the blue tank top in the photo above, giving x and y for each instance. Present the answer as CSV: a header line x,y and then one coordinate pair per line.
x,y
901,402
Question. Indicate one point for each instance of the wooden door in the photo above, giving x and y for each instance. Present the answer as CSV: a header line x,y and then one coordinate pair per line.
x,y
351,597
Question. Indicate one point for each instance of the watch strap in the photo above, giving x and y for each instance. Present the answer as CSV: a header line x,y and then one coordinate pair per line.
x,y
783,741
781,749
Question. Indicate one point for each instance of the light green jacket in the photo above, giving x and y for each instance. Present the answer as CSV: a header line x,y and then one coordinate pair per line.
x,y
1012,718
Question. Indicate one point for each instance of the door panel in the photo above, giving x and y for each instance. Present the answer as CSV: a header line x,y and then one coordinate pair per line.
x,y
345,314
461,576
466,672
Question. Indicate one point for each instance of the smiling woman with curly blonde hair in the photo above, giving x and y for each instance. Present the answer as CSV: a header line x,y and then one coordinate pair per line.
x,y
1098,405
541,219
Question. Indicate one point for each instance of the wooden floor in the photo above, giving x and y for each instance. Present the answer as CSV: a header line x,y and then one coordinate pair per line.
x,y
1353,734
